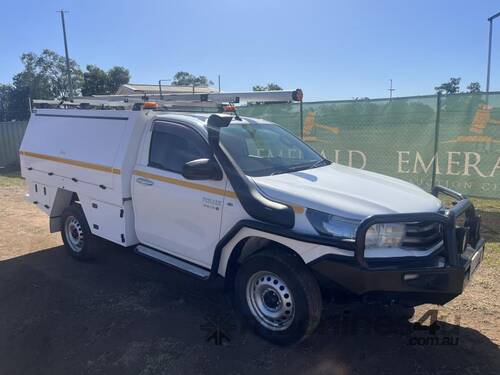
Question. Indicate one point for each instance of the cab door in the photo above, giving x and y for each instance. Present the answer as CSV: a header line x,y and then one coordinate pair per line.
x,y
172,214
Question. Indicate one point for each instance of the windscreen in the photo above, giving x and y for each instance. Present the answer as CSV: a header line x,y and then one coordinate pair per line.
x,y
263,149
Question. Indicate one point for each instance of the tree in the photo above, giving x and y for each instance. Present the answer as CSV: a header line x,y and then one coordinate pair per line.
x,y
95,81
117,76
98,82
269,87
6,102
259,88
43,77
187,79
450,87
474,87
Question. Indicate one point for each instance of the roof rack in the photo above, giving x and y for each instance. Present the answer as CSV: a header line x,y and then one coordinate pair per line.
x,y
172,102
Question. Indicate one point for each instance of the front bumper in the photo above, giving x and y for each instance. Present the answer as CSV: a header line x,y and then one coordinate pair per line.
x,y
436,280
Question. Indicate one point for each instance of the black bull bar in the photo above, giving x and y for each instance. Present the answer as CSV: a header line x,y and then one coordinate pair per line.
x,y
455,237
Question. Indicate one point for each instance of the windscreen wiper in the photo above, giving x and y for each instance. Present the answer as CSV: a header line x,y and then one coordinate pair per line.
x,y
320,163
295,168
301,167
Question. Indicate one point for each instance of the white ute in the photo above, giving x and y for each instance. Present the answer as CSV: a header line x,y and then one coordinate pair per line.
x,y
242,198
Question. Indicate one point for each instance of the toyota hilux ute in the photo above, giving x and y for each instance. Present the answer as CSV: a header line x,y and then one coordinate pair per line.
x,y
218,195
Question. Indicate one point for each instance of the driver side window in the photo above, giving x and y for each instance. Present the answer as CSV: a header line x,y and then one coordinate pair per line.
x,y
173,145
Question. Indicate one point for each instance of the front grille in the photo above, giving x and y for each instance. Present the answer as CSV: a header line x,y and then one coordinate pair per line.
x,y
423,235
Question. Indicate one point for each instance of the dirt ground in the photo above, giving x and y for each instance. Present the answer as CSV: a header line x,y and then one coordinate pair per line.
x,y
122,314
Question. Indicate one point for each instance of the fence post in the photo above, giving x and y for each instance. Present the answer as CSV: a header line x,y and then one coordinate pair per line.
x,y
436,138
301,122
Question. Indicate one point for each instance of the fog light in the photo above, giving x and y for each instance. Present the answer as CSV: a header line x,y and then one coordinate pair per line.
x,y
410,276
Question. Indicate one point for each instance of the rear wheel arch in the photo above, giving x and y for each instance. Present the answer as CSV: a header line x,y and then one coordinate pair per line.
x,y
62,200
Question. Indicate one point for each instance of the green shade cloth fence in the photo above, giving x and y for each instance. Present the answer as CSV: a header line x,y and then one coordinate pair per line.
x,y
450,140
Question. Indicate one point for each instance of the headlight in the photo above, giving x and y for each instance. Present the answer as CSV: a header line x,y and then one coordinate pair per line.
x,y
377,236
385,235
332,225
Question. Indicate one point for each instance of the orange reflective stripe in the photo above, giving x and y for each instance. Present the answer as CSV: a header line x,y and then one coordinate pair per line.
x,y
187,184
76,163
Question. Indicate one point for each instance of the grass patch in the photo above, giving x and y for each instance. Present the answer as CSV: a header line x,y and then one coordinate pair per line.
x,y
487,205
489,209
492,255
11,179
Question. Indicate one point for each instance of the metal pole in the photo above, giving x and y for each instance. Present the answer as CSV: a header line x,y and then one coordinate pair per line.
x,y
219,82
489,51
68,72
489,58
436,139
301,121
159,86
390,90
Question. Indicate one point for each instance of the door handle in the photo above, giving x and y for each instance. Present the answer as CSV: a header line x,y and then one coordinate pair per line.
x,y
144,181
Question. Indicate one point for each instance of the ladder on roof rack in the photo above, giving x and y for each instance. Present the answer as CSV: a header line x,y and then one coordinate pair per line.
x,y
173,101
219,97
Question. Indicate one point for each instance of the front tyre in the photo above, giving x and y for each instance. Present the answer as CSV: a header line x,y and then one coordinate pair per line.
x,y
279,296
76,235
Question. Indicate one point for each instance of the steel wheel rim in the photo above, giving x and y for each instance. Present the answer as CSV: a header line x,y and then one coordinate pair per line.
x,y
270,300
74,234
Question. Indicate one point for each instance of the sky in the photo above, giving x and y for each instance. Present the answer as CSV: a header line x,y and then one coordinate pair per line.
x,y
331,49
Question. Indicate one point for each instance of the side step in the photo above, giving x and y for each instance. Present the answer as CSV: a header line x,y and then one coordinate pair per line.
x,y
175,262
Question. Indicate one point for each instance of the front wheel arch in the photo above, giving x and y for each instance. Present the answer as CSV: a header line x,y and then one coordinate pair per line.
x,y
249,246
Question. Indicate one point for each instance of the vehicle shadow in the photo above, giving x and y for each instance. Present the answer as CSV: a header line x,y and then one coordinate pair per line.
x,y
123,314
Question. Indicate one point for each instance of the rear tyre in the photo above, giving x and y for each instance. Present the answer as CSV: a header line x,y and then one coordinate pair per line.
x,y
78,240
279,296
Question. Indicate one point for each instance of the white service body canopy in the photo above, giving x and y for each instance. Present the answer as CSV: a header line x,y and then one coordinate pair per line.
x,y
94,148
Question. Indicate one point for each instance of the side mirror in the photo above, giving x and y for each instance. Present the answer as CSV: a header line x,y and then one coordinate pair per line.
x,y
202,169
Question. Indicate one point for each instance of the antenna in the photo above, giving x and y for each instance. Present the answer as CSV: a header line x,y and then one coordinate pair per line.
x,y
390,90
